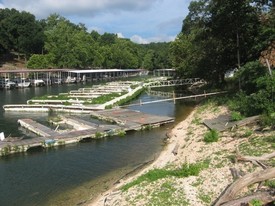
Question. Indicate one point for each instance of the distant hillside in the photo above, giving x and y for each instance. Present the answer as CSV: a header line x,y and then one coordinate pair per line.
x,y
11,61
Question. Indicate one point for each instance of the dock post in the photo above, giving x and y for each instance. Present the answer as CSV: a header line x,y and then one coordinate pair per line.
x,y
174,98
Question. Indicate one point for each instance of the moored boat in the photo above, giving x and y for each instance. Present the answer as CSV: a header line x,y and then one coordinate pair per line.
x,y
37,82
23,83
7,84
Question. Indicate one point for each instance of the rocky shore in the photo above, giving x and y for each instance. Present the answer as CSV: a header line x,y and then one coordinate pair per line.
x,y
186,146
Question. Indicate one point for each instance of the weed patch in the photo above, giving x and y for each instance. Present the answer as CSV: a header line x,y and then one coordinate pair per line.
x,y
211,136
153,175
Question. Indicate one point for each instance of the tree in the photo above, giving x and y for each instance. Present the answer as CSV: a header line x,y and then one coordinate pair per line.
x,y
148,60
20,32
207,48
38,61
70,45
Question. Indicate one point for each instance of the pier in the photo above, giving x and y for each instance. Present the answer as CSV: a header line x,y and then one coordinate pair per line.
x,y
125,120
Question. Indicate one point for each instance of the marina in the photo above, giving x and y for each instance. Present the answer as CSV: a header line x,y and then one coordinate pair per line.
x,y
83,100
23,78
42,167
125,120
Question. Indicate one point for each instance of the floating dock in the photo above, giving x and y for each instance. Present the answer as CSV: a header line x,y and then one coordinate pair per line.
x,y
224,122
125,120
132,119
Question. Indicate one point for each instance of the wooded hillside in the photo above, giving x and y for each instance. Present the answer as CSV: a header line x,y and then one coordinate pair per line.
x,y
56,42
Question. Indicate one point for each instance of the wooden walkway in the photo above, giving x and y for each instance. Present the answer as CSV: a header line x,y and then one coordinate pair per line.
x,y
132,119
223,122
175,82
37,128
178,98
127,120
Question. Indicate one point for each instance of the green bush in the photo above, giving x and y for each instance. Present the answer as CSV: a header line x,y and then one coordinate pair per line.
x,y
255,202
236,116
211,136
268,119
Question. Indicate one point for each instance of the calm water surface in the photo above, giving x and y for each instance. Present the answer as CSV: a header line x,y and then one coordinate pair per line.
x,y
74,173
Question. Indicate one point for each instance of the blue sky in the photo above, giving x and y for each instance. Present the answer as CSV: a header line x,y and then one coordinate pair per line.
x,y
142,21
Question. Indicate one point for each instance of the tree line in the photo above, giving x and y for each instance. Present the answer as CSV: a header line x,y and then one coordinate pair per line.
x,y
218,36
55,42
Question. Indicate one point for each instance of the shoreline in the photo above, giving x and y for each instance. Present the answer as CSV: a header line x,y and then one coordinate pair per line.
x,y
165,156
186,146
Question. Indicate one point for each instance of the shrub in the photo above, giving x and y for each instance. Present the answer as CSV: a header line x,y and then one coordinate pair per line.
x,y
268,120
236,116
255,202
211,136
98,135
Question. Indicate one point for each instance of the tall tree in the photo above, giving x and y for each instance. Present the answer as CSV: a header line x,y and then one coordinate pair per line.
x,y
216,36
20,32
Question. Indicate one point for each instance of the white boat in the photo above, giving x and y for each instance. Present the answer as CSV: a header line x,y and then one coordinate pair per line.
x,y
70,79
57,81
37,82
7,84
2,136
23,83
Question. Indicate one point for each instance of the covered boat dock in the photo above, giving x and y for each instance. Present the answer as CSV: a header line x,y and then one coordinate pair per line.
x,y
51,76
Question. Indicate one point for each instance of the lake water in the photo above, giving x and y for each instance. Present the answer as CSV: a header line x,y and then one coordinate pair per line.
x,y
73,174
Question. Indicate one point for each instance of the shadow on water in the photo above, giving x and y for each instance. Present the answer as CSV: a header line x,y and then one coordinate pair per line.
x,y
34,150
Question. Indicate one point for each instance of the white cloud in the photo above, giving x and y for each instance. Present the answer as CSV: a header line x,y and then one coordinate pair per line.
x,y
162,38
42,8
120,35
143,21
138,39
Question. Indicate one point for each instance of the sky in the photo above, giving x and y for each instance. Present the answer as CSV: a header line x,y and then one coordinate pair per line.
x,y
142,21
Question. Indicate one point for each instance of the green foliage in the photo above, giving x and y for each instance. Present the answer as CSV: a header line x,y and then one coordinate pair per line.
x,y
255,203
38,61
67,103
268,119
257,96
247,133
257,146
163,196
249,74
211,136
204,197
121,133
147,127
206,48
98,135
105,98
270,184
236,116
63,44
20,32
153,175
109,107
129,98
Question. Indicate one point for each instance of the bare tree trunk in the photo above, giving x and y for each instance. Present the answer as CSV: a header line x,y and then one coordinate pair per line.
x,y
230,193
264,197
256,160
